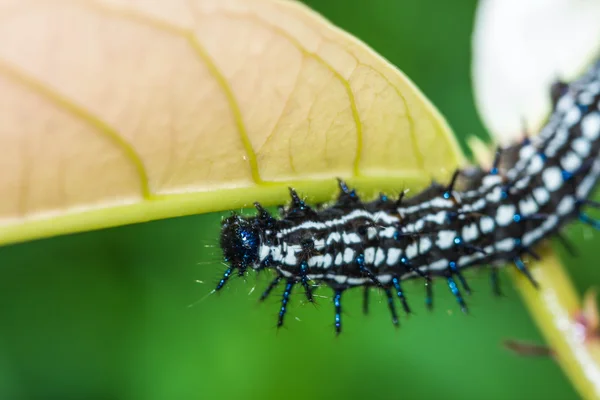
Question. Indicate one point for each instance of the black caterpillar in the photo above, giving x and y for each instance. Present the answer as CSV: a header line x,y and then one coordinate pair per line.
x,y
497,216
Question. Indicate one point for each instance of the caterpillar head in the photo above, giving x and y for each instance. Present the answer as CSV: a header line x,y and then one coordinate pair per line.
x,y
240,241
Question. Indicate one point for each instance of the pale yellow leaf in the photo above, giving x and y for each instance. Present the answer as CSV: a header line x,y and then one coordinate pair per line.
x,y
120,111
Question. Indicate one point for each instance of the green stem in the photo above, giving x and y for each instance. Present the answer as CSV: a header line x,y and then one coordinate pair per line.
x,y
555,307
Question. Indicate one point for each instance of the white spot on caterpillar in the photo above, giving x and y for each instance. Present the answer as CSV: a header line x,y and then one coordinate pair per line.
x,y
313,261
371,232
570,162
559,139
319,244
348,255
333,237
290,257
486,224
384,278
327,260
536,164
388,232
276,253
355,281
264,252
590,126
479,204
527,151
552,178
424,244
440,202
566,205
581,146
594,87
522,183
573,116
436,266
445,239
470,232
418,226
439,217
541,195
505,244
369,255
504,214
393,256
495,195
585,98
528,206
491,180
411,250
350,238
338,259
379,257
565,103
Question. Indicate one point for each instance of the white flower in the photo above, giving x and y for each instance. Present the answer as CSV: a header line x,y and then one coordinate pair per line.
x,y
521,47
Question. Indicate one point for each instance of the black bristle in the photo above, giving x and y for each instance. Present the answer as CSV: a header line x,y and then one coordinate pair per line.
x,y
400,294
270,288
304,282
297,203
496,164
457,295
263,215
566,243
285,298
454,270
347,197
298,210
391,305
557,90
495,279
429,292
448,192
337,305
521,267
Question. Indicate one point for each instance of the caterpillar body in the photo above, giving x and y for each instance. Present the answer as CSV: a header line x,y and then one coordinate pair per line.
x,y
482,217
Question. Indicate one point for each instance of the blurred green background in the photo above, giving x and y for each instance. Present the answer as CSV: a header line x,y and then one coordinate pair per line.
x,y
116,314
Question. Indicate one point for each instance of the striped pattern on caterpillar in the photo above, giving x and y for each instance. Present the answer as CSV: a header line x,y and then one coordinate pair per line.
x,y
491,217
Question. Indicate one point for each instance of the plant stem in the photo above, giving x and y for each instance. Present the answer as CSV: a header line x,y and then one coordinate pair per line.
x,y
555,307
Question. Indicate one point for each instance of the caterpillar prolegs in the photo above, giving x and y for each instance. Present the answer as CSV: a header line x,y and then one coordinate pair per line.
x,y
481,217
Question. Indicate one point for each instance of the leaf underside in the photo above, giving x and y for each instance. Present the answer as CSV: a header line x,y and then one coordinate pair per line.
x,y
118,113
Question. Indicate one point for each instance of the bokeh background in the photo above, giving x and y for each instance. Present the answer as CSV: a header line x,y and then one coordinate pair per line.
x,y
122,314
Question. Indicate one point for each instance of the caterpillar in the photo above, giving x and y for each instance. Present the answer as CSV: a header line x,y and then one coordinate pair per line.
x,y
483,216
